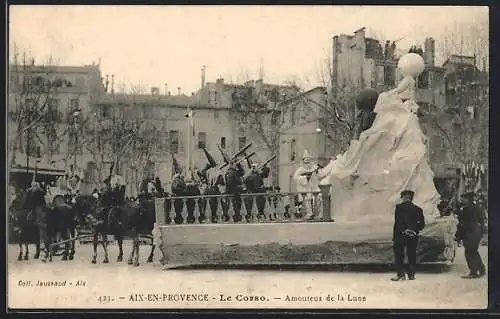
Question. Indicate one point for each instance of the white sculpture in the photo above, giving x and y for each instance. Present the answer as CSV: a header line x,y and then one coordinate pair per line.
x,y
386,159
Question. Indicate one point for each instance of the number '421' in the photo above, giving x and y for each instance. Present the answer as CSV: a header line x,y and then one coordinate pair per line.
x,y
103,299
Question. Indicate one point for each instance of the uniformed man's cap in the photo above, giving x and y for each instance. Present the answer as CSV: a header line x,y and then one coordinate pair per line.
x,y
468,195
407,193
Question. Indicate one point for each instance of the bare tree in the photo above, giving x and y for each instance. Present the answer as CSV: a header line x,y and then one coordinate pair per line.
x,y
260,114
33,115
470,38
127,141
464,122
138,89
338,111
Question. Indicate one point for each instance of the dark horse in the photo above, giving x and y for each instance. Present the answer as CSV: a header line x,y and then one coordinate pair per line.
x,y
37,222
61,224
118,220
25,225
139,223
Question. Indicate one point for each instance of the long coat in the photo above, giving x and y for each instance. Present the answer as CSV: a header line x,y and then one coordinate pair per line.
x,y
471,220
407,216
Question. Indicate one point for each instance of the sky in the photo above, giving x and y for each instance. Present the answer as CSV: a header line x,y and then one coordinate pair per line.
x,y
153,45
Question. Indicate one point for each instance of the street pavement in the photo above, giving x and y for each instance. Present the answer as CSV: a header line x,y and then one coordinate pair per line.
x,y
121,286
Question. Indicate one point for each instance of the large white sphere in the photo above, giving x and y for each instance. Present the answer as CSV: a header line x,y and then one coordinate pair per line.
x,y
411,64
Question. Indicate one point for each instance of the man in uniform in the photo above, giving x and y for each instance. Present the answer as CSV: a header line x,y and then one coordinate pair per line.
x,y
216,186
470,230
408,222
178,190
255,184
234,186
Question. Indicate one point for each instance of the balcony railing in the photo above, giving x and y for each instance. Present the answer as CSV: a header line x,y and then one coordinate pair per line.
x,y
244,208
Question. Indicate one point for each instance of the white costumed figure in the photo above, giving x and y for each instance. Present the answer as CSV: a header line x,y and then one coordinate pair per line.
x,y
306,182
388,158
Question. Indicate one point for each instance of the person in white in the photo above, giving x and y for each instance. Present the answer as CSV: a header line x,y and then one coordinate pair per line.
x,y
306,183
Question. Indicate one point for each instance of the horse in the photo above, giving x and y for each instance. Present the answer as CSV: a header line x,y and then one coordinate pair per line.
x,y
92,215
61,223
25,225
139,222
119,220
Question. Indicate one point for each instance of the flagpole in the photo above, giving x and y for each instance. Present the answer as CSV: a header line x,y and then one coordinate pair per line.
x,y
192,143
188,144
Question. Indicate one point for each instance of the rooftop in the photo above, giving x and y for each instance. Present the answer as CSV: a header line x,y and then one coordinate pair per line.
x,y
158,100
57,68
460,59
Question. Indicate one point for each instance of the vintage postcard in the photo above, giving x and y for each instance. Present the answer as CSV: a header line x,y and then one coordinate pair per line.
x,y
176,157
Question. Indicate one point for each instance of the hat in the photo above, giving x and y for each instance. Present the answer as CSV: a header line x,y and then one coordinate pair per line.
x,y
407,193
468,195
306,155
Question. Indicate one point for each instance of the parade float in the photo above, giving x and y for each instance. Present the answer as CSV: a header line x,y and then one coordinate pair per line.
x,y
354,207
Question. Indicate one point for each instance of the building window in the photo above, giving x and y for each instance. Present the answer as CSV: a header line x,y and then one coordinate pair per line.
x,y
202,140
174,141
380,75
338,46
242,141
292,150
74,104
423,80
182,140
274,118
106,111
389,75
223,142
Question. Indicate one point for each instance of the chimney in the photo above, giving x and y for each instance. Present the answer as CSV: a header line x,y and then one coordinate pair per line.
x,y
430,51
112,84
203,68
166,88
179,90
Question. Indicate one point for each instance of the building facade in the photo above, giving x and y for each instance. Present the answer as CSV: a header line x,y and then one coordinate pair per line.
x,y
42,104
304,129
256,115
360,62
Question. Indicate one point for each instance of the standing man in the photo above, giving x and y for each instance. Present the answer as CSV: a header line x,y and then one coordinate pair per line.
x,y
255,184
178,190
234,186
408,222
470,230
